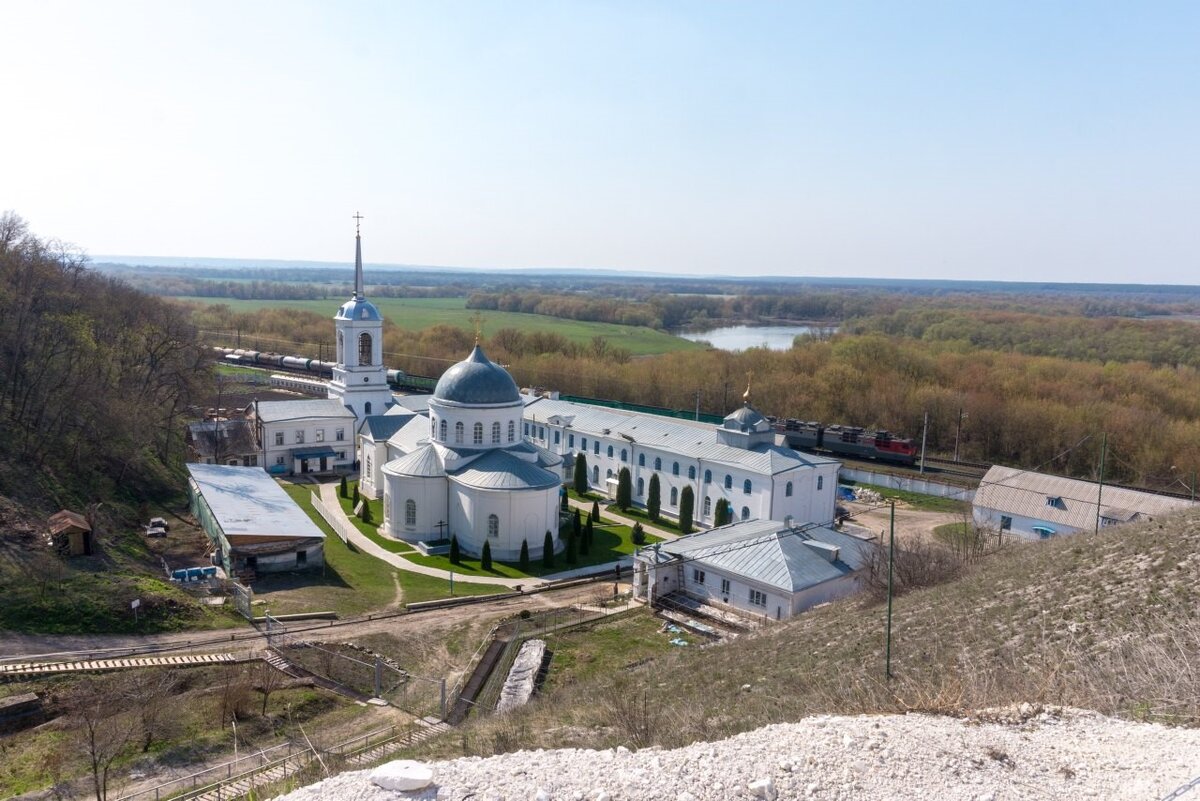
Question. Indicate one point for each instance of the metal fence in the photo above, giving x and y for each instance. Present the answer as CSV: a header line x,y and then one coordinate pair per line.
x,y
202,780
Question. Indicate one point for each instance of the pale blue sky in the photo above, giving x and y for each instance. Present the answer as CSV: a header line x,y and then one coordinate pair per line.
x,y
1022,140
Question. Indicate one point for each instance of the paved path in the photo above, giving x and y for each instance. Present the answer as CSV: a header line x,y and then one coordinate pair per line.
x,y
366,545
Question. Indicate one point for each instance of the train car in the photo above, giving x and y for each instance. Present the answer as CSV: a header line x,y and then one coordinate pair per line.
x,y
853,441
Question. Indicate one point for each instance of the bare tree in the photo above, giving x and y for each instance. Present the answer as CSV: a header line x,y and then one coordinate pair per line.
x,y
147,693
104,727
269,680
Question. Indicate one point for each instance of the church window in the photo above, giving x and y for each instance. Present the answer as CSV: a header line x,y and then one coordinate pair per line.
x,y
339,434
596,474
608,473
443,430
624,455
610,451
657,463
787,490
542,433
320,435
570,440
745,512
728,481
278,437
496,433
674,496
596,447
641,487
458,432
527,429
691,472
410,512
477,434
493,526
299,437
367,408
675,469
707,506
820,482
583,443
746,487
364,349
557,437
641,460
707,476
512,427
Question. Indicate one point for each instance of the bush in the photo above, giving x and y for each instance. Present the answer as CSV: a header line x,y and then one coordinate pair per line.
x,y
548,551
366,511
624,489
595,511
354,500
524,560
653,499
455,556
639,534
581,479
687,501
485,558
345,493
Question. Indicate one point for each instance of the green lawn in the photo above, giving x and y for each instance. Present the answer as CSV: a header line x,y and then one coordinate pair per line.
x,y
415,314
371,530
607,647
929,503
637,513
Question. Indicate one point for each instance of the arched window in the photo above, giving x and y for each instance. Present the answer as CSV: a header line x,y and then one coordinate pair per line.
x,y
691,472
493,526
746,487
477,434
364,349
657,463
745,512
583,444
820,482
367,408
443,430
641,460
458,432
707,506
512,430
707,476
610,451
410,512
728,481
675,469
608,473
596,474
624,455
787,490
674,496
641,487
496,433
596,447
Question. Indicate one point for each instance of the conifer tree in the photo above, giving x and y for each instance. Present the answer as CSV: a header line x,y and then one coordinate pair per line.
x,y
721,515
366,511
687,500
581,479
639,534
548,551
624,489
455,557
587,536
595,511
354,500
653,499
524,561
572,549
485,558
576,526
343,491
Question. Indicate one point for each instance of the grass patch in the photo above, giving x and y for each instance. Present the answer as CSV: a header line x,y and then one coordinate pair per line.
x,y
640,514
415,314
607,646
371,530
953,534
917,500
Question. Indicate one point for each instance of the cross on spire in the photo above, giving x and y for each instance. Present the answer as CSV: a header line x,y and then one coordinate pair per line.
x,y
358,272
477,318
746,395
358,218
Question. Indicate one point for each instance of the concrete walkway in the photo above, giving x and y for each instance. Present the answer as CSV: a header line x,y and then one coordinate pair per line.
x,y
329,494
586,506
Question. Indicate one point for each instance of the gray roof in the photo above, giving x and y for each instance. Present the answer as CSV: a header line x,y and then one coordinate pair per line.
x,y
227,438
768,552
248,502
403,404
358,309
423,463
747,418
382,426
477,381
695,440
1025,493
277,411
500,470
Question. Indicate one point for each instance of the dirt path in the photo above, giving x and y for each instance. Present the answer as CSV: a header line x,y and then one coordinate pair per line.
x,y
911,524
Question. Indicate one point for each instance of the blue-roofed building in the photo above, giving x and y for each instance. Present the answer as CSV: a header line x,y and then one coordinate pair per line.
x,y
763,568
463,467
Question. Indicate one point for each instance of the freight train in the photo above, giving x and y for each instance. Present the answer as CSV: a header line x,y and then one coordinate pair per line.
x,y
850,441
396,378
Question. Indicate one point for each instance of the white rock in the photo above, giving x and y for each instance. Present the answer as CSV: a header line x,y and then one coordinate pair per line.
x,y
542,794
601,795
403,775
763,788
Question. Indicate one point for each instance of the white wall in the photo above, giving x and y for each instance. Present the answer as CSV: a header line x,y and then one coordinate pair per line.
x,y
524,516
328,426
430,495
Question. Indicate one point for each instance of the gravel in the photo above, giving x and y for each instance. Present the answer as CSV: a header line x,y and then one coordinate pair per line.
x,y
1018,753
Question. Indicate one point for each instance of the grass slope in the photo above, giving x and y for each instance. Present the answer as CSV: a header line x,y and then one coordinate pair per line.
x,y
1109,622
415,314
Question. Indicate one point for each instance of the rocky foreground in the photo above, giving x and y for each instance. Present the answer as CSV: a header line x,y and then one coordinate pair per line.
x,y
1010,754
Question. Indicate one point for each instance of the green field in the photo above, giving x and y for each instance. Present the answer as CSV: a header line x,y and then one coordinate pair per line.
x,y
414,314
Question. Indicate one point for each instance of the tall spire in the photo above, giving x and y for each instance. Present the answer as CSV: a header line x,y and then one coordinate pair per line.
x,y
358,278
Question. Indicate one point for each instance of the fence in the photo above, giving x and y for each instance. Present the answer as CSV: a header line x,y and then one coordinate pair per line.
x,y
202,780
923,486
336,522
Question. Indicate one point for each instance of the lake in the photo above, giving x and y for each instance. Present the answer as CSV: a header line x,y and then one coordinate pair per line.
x,y
741,337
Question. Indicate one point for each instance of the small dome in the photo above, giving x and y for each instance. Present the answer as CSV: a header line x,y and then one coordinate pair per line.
x,y
477,381
358,309
747,418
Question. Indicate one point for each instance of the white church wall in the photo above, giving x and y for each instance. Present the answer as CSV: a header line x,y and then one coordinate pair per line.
x,y
523,516
429,495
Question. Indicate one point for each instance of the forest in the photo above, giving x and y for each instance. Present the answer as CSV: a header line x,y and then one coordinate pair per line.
x,y
1132,380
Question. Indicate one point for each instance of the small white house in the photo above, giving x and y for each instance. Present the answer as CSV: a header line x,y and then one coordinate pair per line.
x,y
758,567
1038,506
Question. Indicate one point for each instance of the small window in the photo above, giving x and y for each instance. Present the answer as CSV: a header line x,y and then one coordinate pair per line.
x,y
675,469
746,487
641,487
596,447
707,476
512,431
496,433
367,408
820,484
596,474
1005,523
364,348
570,440
691,472
443,429
724,586
641,460
745,512
583,443
707,506
299,437
758,598
320,435
301,558
787,490
624,455
697,576
278,437
542,433
458,432
557,437
410,512
674,496
527,429
493,526
610,451
278,460
339,434
477,434
608,473
657,463
728,481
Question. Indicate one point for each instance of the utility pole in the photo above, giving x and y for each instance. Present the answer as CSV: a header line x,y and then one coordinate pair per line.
x,y
958,432
1100,489
891,560
924,431
697,406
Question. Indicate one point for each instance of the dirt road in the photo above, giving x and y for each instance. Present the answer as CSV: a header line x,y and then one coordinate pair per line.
x,y
911,524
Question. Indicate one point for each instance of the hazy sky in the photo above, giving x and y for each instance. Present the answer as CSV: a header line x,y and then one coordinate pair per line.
x,y
1025,140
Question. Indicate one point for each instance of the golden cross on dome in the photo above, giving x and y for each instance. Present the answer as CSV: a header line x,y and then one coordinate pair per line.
x,y
358,218
477,318
746,394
